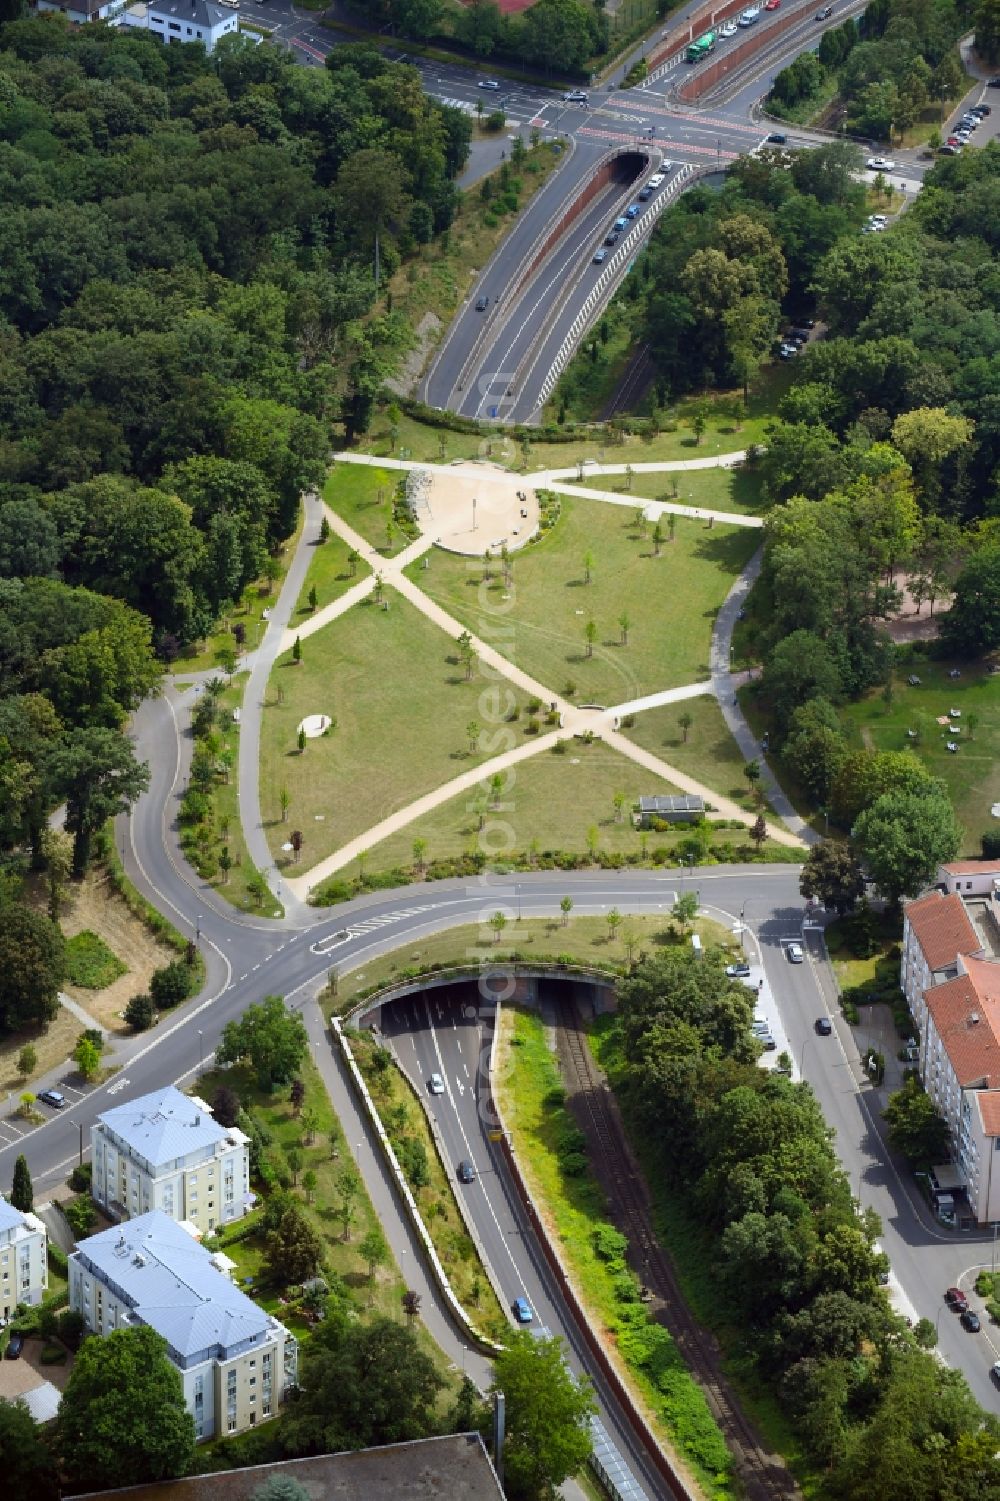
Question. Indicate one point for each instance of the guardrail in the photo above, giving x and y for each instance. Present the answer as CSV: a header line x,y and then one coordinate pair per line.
x,y
438,1272
607,281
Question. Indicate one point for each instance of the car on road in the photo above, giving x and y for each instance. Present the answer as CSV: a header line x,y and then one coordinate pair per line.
x,y
796,953
14,1346
657,180
435,1084
51,1097
825,13
600,256
970,1321
730,29
466,1171
522,1311
611,238
620,223
880,164
772,4
766,1041
737,971
956,1298
824,1026
482,303
995,1371
576,97
487,83
776,138
645,194
749,16
633,210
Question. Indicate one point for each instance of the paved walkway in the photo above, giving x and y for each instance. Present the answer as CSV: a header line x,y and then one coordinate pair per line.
x,y
248,785
654,509
724,684
655,700
656,466
75,1009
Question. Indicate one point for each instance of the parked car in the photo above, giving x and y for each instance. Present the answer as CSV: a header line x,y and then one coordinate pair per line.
x,y
824,1026
796,953
522,1311
466,1171
956,1298
880,164
994,83
435,1084
995,1371
51,1097
600,256
970,1321
788,351
982,110
14,1346
950,150
766,1041
482,303
738,971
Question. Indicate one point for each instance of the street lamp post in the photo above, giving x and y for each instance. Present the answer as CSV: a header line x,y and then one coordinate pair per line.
x,y
201,1046
473,513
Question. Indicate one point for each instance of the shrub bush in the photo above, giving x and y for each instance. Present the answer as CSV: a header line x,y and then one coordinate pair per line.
x,y
81,1177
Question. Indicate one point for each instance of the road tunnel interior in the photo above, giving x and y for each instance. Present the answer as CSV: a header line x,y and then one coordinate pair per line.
x,y
473,1001
629,166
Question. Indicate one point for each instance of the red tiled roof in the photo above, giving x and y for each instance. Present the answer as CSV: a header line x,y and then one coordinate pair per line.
x,y
942,927
973,867
966,1013
989,1111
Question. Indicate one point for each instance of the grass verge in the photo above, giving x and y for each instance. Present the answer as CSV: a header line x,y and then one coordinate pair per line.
x,y
405,1121
331,572
366,498
704,748
736,490
549,1147
90,963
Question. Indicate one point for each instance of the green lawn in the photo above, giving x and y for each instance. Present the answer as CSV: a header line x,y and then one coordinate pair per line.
x,y
972,774
330,573
671,601
708,752
364,497
392,682
550,801
90,963
715,489
531,1097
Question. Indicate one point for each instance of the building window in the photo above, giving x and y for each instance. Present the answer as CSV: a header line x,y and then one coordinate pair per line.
x,y
231,1423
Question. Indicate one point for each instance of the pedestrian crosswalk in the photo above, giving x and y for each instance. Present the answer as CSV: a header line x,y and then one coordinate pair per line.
x,y
513,116
369,925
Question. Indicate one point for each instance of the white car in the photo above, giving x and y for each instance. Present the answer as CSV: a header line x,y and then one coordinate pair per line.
x,y
656,181
730,29
796,954
487,83
880,164
435,1084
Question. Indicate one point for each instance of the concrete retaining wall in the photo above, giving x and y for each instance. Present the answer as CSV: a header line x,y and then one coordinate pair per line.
x,y
705,76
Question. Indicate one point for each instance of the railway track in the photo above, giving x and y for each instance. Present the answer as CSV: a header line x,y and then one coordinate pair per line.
x,y
764,1475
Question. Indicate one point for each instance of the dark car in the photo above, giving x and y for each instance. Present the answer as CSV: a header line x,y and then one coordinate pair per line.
x,y
970,1321
955,1298
825,13
482,303
776,138
14,1346
994,83
982,110
824,1026
611,238
466,1171
51,1097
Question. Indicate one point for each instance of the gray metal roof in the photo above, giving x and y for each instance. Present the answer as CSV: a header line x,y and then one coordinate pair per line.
x,y
163,1126
195,12
170,1284
10,1218
681,803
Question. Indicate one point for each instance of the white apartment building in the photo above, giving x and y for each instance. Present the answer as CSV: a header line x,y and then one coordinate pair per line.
x,y
970,878
235,1361
24,1259
961,1073
936,931
184,20
165,1151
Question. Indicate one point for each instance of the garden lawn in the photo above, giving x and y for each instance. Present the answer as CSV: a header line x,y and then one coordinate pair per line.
x,y
671,601
329,573
972,773
393,683
364,497
714,489
585,940
531,1098
550,803
706,750
90,963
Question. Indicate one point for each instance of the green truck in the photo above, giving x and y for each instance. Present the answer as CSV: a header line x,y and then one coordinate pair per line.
x,y
701,48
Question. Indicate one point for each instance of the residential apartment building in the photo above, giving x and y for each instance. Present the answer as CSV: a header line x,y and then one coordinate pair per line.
x,y
165,1151
24,1259
960,1054
235,1360
936,931
184,20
